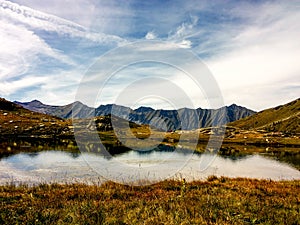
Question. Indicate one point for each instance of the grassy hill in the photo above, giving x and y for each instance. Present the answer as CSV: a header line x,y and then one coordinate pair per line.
x,y
283,118
16,120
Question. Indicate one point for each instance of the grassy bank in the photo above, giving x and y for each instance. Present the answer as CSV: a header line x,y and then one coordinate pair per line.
x,y
215,201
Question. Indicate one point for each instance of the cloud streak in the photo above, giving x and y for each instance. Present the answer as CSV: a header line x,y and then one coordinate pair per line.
x,y
19,49
39,20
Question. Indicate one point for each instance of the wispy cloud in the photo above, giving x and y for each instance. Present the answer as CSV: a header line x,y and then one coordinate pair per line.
x,y
33,42
7,88
39,20
262,57
186,29
19,49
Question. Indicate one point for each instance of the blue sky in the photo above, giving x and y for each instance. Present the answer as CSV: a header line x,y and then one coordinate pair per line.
x,y
252,48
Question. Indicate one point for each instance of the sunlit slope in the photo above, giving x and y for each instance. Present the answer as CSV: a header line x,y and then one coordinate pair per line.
x,y
283,118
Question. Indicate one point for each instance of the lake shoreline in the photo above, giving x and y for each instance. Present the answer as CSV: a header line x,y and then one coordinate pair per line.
x,y
227,145
13,145
57,166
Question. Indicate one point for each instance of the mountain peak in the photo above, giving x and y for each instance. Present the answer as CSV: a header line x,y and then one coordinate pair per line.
x,y
77,103
144,109
36,101
33,103
233,105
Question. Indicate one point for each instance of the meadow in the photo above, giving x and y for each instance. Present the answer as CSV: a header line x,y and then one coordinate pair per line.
x,y
217,200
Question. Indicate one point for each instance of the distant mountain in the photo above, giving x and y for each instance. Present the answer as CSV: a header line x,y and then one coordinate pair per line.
x,y
37,106
184,118
80,110
283,118
117,110
188,119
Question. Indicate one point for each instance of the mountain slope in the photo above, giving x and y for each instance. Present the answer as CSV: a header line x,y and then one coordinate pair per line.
x,y
16,120
283,118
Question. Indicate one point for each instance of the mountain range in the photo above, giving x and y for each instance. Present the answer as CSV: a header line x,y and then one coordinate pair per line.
x,y
183,118
283,118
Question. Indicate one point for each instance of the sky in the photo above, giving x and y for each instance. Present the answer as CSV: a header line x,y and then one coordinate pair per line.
x,y
250,48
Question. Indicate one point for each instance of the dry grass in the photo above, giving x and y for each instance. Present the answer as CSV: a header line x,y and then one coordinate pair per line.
x,y
215,201
283,118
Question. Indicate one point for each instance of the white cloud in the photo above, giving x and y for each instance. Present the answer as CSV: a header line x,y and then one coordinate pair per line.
x,y
150,35
79,11
54,89
185,29
100,16
11,65
43,21
263,60
19,48
35,18
23,51
185,44
7,88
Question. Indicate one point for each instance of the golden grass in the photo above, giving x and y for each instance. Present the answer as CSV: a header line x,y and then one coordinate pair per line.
x,y
283,118
215,201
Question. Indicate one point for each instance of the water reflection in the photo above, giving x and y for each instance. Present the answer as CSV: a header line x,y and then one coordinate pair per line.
x,y
91,168
35,144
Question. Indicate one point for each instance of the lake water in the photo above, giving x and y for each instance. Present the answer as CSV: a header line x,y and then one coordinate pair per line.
x,y
136,167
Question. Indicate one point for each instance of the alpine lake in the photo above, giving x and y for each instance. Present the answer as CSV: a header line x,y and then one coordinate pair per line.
x,y
34,162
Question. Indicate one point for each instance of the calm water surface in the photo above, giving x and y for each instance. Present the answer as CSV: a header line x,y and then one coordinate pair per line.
x,y
134,166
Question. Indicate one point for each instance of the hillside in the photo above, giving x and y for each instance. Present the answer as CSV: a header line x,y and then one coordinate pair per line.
x,y
283,118
16,120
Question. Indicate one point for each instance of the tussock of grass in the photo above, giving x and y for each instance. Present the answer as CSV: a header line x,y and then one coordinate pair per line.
x,y
215,201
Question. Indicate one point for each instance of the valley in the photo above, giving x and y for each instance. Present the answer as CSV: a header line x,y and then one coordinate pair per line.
x,y
273,129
